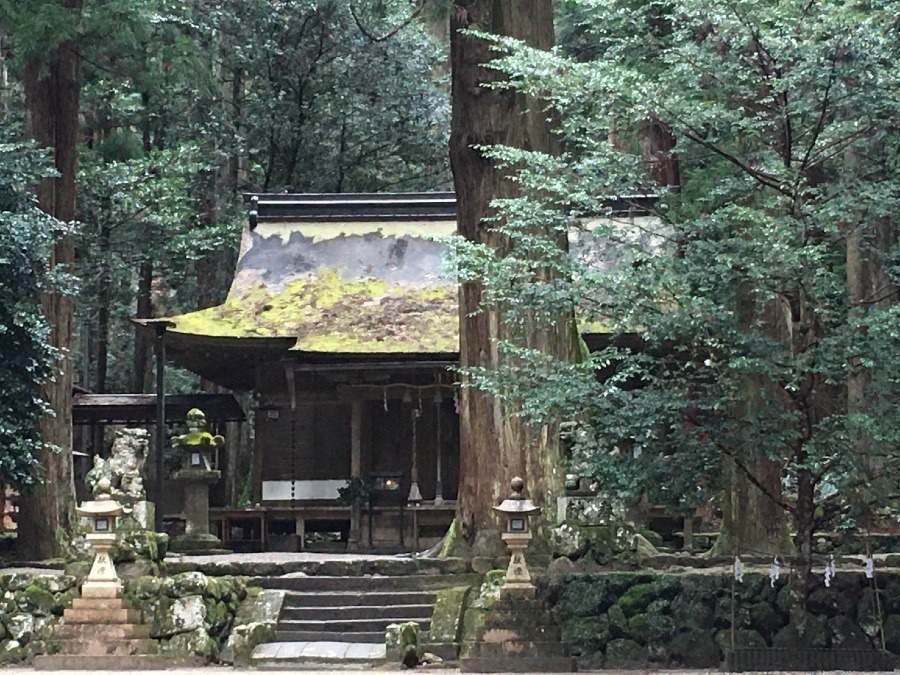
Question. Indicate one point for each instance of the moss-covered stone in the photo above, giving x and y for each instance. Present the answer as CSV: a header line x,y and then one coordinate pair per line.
x,y
815,634
586,635
446,618
739,639
651,628
191,646
892,633
765,619
36,600
624,653
244,639
845,634
694,649
189,583
637,598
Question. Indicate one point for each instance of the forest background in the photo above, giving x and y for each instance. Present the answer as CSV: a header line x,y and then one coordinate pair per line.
x,y
767,129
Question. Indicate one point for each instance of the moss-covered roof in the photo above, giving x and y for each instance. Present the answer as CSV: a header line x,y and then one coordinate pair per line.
x,y
339,288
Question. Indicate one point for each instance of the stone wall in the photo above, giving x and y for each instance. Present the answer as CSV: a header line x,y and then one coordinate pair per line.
x,y
191,614
646,620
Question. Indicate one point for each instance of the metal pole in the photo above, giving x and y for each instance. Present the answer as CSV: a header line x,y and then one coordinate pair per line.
x,y
160,352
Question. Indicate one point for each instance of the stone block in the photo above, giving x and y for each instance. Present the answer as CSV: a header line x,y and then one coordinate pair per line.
x,y
102,616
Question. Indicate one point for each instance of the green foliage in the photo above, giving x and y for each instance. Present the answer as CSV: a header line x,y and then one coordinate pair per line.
x,y
731,325
27,236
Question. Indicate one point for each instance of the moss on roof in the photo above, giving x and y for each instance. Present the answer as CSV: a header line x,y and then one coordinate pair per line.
x,y
329,314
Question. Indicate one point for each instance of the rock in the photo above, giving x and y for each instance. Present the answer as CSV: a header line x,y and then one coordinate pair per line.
x,y
560,567
263,606
17,582
845,634
618,622
568,541
147,587
55,583
447,615
892,633
244,639
742,639
765,620
216,615
831,602
586,635
392,642
20,627
36,600
191,646
189,583
815,634
867,614
689,612
482,564
3,632
184,615
694,649
622,653
636,599
651,628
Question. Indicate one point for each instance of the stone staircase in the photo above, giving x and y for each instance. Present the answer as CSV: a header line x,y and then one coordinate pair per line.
x,y
333,619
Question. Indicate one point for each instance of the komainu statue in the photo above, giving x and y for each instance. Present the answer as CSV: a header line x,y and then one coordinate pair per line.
x,y
124,468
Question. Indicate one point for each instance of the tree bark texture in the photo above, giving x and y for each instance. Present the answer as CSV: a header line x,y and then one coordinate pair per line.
x,y
494,445
52,96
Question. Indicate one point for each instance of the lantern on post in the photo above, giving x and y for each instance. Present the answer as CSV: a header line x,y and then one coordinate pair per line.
x,y
102,513
516,511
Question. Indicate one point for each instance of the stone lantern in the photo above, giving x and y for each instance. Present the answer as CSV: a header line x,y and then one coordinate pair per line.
x,y
516,511
197,447
102,513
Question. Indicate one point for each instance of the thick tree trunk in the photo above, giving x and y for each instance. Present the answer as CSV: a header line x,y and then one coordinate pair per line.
x,y
868,288
52,97
754,521
494,445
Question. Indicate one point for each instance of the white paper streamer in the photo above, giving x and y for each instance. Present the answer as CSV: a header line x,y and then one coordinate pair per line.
x,y
774,571
869,563
829,572
738,570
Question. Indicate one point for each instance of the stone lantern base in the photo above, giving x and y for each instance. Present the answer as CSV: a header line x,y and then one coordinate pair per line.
x,y
197,538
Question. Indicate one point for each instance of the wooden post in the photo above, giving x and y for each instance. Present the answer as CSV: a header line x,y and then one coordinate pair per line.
x,y
355,470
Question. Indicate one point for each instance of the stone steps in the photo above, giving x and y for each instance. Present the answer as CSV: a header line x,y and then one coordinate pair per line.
x,y
415,612
366,584
342,619
372,637
378,599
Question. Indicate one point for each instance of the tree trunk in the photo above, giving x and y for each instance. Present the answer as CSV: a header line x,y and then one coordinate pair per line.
x,y
494,445
753,520
141,371
52,97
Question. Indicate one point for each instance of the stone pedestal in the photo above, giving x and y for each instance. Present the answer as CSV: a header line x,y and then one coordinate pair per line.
x,y
102,631
196,537
518,636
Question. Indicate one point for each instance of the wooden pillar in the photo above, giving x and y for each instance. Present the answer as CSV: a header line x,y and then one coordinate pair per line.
x,y
356,410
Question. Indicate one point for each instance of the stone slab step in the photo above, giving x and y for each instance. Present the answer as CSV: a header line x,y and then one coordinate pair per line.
x,y
291,654
417,612
373,637
104,604
357,599
364,583
76,662
116,631
351,625
105,616
100,646
518,664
